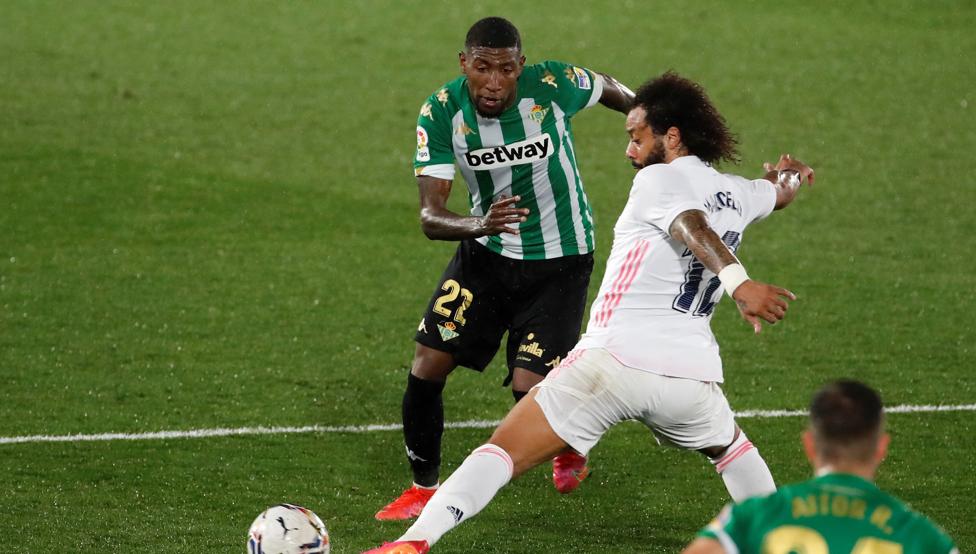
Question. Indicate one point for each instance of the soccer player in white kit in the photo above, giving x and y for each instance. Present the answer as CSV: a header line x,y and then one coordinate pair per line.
x,y
648,352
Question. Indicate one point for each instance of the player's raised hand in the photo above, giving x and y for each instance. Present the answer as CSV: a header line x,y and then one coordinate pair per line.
x,y
760,301
787,163
501,214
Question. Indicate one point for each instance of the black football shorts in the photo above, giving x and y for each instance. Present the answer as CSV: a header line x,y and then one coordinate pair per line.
x,y
481,295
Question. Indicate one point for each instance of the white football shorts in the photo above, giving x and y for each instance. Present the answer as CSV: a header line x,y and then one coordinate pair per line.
x,y
591,391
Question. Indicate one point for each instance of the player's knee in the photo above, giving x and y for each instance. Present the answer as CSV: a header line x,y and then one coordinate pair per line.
x,y
432,365
523,380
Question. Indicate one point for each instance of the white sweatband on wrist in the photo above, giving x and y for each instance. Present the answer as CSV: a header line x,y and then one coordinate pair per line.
x,y
732,276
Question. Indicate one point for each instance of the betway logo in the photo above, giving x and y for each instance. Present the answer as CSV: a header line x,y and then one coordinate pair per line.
x,y
521,152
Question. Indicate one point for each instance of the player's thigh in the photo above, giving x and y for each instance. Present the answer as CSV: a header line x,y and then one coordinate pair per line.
x,y
546,321
527,436
582,398
690,414
464,317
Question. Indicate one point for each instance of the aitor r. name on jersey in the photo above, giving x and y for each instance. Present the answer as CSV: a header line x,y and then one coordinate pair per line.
x,y
526,151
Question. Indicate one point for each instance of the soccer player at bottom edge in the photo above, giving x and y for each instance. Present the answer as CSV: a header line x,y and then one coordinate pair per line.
x,y
526,251
648,353
839,510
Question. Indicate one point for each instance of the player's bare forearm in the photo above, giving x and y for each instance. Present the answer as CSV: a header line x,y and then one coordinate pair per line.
x,y
443,224
616,95
756,301
440,223
692,229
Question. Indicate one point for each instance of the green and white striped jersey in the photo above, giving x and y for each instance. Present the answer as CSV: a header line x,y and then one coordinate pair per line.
x,y
526,151
830,514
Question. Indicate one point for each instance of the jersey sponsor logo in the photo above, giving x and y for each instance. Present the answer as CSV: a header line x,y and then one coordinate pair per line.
x,y
525,151
423,153
425,111
549,79
538,113
531,348
422,326
447,331
442,96
554,363
582,78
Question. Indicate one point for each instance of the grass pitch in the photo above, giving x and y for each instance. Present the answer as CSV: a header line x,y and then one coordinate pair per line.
x,y
209,220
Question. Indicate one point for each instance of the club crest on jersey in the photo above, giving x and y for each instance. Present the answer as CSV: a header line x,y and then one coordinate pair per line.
x,y
447,331
425,111
522,152
549,79
423,153
538,113
442,96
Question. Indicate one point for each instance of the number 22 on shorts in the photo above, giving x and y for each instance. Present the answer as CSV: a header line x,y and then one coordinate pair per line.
x,y
452,289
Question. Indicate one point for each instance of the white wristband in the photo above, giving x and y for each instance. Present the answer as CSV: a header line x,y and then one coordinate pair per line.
x,y
732,276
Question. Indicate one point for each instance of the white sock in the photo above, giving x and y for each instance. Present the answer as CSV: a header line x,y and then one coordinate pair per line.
x,y
744,471
465,493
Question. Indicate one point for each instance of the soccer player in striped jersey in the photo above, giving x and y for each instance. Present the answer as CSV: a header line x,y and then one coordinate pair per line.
x,y
525,255
648,353
839,510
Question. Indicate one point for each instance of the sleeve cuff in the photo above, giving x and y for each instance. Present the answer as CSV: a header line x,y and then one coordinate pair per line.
x,y
437,171
597,89
770,200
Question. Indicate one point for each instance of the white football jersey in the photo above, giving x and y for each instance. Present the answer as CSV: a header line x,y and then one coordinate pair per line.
x,y
656,299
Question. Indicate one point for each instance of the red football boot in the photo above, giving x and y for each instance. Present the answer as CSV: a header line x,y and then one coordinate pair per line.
x,y
408,505
568,470
401,547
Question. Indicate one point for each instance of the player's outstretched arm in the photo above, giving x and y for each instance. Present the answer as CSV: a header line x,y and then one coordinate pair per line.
x,y
616,95
440,223
787,175
756,300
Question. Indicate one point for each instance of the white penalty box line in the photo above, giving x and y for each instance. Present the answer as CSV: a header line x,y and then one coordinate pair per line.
x,y
471,424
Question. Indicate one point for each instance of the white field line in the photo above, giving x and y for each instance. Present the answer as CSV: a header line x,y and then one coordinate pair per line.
x,y
471,424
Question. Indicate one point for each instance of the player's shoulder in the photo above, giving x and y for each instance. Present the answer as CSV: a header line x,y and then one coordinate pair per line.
x,y
552,74
444,101
921,525
658,175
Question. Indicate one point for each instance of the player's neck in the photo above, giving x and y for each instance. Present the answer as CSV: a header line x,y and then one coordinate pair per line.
x,y
672,155
863,471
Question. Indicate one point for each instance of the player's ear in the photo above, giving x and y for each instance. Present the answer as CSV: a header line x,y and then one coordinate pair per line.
x,y
882,450
809,447
673,137
462,59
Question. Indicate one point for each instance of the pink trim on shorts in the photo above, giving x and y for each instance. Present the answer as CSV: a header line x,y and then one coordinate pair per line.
x,y
628,272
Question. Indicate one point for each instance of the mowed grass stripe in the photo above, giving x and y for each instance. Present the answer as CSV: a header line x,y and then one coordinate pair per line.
x,y
470,424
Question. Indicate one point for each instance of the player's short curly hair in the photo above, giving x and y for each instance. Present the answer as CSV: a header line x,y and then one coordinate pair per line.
x,y
847,420
493,32
674,101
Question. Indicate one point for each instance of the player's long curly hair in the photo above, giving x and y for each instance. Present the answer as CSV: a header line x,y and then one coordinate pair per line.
x,y
673,101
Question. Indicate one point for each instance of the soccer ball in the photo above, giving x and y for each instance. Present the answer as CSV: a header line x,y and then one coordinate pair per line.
x,y
287,529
